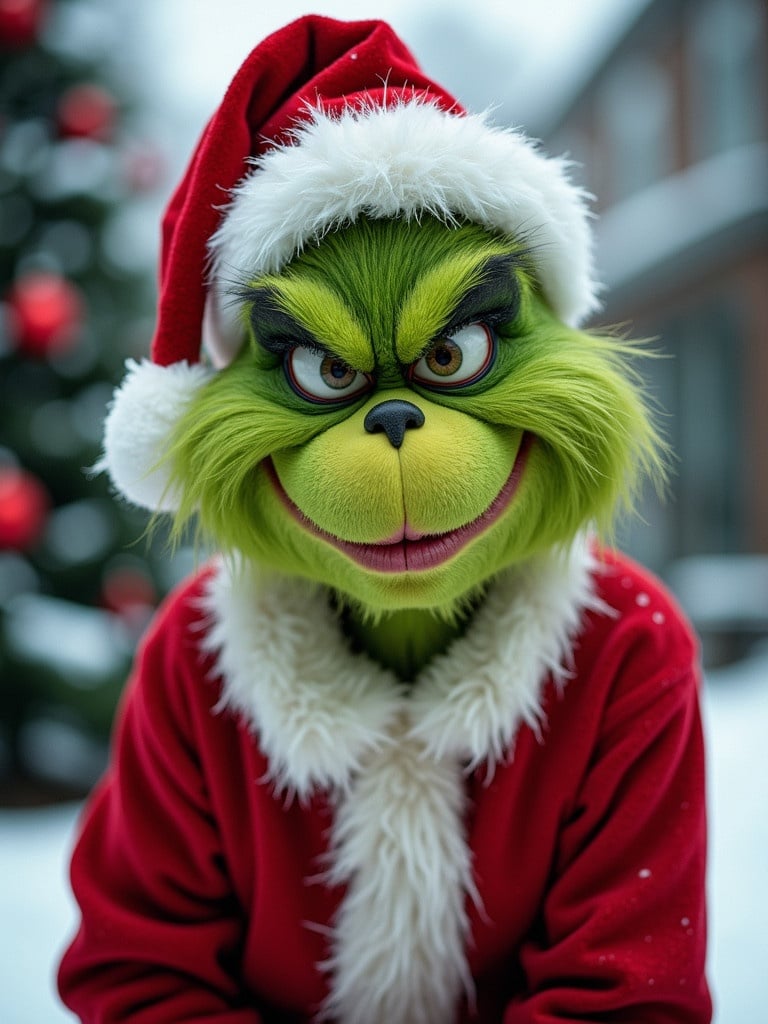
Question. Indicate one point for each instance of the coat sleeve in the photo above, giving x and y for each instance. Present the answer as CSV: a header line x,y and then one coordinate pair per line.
x,y
160,929
621,936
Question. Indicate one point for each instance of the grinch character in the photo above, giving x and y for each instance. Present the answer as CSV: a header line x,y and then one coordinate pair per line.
x,y
413,747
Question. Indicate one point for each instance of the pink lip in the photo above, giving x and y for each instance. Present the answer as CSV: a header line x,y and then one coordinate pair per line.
x,y
411,551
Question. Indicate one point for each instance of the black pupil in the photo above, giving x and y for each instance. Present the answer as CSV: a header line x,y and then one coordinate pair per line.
x,y
338,370
443,355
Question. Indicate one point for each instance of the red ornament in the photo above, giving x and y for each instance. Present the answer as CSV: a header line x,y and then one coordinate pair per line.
x,y
46,313
86,112
127,589
143,167
20,22
24,507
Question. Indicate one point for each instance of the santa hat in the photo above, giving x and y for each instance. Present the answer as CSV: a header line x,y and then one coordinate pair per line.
x,y
324,122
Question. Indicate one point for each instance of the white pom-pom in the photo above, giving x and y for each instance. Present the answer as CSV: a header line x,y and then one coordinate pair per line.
x,y
144,410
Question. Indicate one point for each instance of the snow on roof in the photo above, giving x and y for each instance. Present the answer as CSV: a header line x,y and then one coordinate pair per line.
x,y
672,217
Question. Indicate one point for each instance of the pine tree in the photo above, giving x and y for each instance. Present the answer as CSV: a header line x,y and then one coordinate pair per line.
x,y
76,578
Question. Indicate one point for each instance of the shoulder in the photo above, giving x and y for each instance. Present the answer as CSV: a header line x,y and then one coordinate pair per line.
x,y
172,665
636,657
182,616
638,619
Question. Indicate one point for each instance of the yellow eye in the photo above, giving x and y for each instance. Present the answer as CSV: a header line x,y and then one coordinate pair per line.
x,y
323,378
456,359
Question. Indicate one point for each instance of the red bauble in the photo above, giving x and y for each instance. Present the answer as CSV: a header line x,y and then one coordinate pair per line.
x,y
127,589
20,22
86,112
23,509
46,313
143,167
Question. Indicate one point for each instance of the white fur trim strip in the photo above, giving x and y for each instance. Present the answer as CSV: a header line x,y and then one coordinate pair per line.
x,y
287,669
144,410
394,761
404,161
399,845
471,700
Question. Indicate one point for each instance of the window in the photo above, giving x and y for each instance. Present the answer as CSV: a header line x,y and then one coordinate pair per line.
x,y
699,390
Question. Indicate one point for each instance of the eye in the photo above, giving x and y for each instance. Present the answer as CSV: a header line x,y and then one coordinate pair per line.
x,y
319,377
456,359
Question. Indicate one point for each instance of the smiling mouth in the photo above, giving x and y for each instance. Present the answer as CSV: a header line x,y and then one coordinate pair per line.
x,y
412,552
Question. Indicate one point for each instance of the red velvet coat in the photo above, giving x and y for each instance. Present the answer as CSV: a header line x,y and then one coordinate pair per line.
x,y
233,868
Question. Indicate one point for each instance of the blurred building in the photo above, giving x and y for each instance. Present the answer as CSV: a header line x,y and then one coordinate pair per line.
x,y
670,126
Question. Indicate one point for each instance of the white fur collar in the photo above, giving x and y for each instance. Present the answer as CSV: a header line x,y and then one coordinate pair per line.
x,y
319,709
394,760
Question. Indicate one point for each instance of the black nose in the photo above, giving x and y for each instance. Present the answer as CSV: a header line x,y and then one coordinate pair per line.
x,y
394,417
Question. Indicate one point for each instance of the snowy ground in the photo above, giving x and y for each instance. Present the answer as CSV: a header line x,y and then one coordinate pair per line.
x,y
37,913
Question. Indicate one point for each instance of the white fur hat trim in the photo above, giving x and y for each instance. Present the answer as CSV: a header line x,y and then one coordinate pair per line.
x,y
403,161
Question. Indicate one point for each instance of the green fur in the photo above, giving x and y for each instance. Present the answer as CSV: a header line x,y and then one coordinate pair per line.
x,y
334,323
404,640
376,293
581,395
398,280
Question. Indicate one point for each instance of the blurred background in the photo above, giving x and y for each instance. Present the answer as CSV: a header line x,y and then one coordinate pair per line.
x,y
664,109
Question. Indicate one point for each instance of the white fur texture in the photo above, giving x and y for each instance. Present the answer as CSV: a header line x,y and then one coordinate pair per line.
x,y
143,412
394,760
286,667
405,161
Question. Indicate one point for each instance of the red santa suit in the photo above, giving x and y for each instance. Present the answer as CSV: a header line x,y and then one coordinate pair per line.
x,y
287,831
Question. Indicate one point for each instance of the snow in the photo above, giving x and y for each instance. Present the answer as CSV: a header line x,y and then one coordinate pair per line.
x,y
36,910
736,721
38,913
84,644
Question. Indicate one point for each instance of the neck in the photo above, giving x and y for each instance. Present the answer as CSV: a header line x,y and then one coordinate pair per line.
x,y
404,641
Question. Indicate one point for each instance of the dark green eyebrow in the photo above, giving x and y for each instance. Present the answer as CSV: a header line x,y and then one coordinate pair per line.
x,y
455,293
496,298
290,311
273,326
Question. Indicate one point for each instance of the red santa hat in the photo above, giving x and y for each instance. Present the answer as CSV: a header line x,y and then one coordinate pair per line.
x,y
324,122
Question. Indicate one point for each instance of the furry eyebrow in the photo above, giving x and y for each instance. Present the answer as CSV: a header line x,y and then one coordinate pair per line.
x,y
496,297
274,328
288,312
491,292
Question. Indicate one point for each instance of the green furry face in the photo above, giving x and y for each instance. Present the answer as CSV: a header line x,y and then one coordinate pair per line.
x,y
408,418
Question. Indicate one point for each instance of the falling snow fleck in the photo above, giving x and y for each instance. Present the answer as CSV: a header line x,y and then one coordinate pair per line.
x,y
658,618
626,582
651,981
685,922
643,600
644,873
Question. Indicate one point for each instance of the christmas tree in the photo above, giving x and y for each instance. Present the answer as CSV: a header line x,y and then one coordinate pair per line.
x,y
77,578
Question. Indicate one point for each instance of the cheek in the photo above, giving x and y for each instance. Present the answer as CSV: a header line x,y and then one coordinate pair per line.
x,y
344,484
456,470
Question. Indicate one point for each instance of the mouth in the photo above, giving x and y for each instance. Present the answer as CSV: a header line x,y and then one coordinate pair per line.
x,y
411,551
